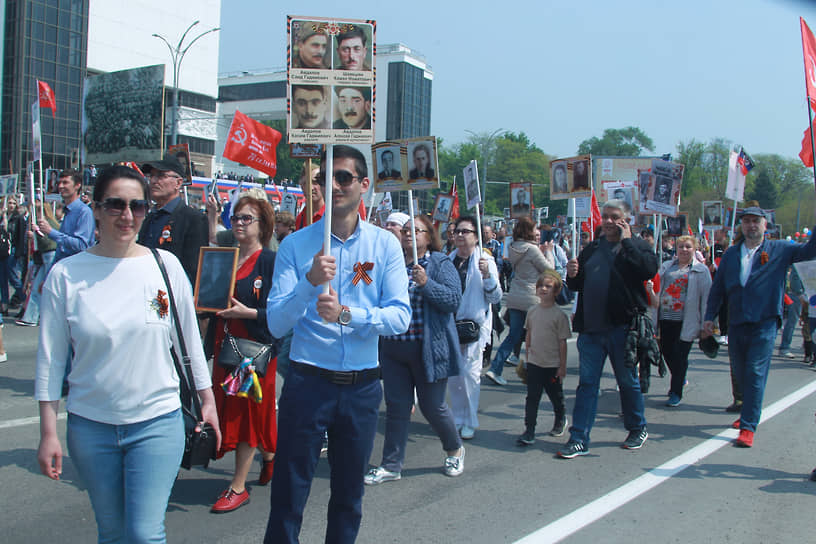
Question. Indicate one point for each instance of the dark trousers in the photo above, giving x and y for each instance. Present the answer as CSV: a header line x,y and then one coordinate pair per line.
x,y
402,371
308,407
539,380
675,352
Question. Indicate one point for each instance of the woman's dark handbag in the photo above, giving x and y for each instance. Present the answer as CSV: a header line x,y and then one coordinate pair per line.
x,y
199,446
468,331
234,350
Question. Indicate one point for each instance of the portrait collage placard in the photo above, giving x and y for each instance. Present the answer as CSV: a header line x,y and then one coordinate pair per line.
x,y
663,193
401,165
8,184
331,81
677,226
571,177
712,212
442,208
521,200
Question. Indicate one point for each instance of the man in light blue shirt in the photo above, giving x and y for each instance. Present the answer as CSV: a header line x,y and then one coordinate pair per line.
x,y
76,233
333,382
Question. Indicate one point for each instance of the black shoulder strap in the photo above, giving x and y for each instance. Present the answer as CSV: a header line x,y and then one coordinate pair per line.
x,y
189,393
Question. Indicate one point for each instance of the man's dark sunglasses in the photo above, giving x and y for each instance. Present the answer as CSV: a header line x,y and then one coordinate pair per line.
x,y
116,206
344,178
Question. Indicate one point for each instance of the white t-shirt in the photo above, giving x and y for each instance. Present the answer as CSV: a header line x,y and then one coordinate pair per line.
x,y
109,311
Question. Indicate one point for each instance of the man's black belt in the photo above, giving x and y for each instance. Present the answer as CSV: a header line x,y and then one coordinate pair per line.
x,y
338,377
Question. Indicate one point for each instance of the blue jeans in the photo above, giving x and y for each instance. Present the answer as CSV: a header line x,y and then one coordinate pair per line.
x,y
791,316
593,349
129,471
750,347
308,407
32,311
4,281
402,371
15,269
513,337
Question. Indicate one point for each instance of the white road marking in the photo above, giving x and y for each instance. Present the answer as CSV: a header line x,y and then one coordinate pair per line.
x,y
595,510
26,421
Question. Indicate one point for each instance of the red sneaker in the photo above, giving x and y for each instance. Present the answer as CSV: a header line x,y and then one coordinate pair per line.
x,y
229,500
745,439
266,472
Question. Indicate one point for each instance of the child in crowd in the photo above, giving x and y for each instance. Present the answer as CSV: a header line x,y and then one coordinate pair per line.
x,y
548,328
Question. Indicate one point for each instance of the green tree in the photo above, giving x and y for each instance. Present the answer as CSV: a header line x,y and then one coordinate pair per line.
x,y
764,190
620,142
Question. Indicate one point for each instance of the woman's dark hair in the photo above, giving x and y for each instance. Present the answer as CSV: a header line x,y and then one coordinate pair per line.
x,y
113,173
524,230
266,216
469,218
433,235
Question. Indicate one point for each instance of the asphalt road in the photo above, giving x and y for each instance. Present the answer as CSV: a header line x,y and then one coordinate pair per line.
x,y
687,484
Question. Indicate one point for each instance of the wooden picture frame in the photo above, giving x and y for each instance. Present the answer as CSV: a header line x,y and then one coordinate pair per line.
x,y
217,267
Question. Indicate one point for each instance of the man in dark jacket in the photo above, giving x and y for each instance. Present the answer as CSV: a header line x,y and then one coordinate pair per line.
x,y
173,225
608,275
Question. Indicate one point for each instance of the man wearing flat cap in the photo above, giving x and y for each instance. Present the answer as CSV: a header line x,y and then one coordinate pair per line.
x,y
171,224
311,46
750,282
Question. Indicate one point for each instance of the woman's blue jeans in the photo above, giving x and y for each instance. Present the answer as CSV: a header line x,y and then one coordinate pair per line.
x,y
513,337
129,471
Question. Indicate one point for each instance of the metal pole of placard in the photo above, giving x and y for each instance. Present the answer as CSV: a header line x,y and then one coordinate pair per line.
x,y
571,211
413,224
307,190
658,232
733,220
327,215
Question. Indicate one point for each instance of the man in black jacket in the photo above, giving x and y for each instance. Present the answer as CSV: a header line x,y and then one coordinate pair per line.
x,y
608,275
173,225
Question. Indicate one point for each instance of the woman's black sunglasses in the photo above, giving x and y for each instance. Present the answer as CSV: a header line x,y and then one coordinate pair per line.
x,y
116,206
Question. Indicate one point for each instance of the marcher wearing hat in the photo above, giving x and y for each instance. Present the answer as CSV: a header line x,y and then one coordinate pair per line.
x,y
395,222
172,225
751,281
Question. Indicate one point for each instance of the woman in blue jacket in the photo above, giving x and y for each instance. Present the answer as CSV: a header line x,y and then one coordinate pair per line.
x,y
423,357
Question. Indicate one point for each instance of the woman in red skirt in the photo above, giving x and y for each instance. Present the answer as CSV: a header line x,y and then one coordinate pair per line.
x,y
246,424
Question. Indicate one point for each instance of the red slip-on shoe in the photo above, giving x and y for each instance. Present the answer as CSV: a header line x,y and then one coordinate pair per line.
x,y
735,425
745,439
229,500
267,468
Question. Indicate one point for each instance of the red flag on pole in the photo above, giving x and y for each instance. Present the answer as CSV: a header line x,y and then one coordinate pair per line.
x,y
596,215
252,144
806,154
809,50
46,96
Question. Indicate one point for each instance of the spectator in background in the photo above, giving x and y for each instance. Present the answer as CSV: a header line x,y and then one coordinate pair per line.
x,y
284,225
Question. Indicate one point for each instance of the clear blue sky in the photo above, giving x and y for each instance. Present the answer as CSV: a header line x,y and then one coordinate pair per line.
x,y
564,71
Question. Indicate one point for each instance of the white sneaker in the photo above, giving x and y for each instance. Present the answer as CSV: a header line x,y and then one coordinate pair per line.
x,y
3,357
379,475
723,340
467,432
455,464
512,360
498,380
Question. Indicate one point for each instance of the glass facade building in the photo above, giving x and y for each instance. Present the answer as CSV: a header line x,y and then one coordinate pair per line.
x,y
409,102
45,40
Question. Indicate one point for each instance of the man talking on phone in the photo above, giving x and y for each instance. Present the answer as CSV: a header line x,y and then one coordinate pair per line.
x,y
608,276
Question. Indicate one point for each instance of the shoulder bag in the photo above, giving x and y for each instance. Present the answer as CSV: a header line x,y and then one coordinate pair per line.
x,y
234,350
199,446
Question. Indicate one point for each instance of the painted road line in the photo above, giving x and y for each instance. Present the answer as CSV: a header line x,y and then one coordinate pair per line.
x,y
26,421
597,509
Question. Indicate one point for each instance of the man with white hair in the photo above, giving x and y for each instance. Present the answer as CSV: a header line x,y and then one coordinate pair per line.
x,y
608,276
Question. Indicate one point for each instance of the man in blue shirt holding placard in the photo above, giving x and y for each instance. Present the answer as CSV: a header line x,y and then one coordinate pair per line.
x,y
333,382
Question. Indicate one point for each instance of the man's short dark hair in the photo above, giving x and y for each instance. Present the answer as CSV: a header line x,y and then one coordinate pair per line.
x,y
348,152
388,151
353,32
423,147
75,176
365,91
319,88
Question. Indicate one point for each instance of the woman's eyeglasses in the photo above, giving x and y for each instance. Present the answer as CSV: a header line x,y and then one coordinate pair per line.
x,y
344,178
462,232
243,219
417,230
116,206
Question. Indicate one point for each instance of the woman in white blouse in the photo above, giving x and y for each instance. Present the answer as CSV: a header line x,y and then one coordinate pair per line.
x,y
106,310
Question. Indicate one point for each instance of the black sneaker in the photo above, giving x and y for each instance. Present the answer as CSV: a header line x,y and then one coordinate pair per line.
x,y
558,427
572,449
527,439
635,439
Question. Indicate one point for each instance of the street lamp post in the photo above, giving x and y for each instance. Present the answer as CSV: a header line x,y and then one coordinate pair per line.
x,y
177,55
485,150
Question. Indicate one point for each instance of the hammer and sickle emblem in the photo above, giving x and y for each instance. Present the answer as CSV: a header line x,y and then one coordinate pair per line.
x,y
239,136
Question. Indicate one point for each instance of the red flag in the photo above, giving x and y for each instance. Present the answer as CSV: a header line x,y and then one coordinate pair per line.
x,y
596,215
252,144
809,50
807,149
46,95
691,232
455,208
